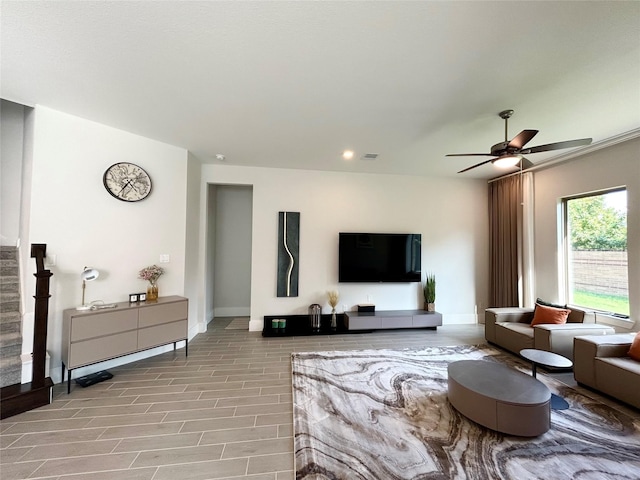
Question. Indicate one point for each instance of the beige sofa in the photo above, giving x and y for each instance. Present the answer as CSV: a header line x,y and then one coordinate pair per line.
x,y
510,328
602,363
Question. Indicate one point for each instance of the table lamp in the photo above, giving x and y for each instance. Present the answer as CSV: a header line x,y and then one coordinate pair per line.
x,y
88,274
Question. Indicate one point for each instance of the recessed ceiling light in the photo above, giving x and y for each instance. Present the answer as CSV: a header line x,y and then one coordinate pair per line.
x,y
220,157
347,154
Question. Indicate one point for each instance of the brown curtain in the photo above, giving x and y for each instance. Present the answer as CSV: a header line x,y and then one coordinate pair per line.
x,y
504,205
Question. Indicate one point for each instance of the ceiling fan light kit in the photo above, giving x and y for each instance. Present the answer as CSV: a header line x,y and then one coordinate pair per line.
x,y
510,152
507,161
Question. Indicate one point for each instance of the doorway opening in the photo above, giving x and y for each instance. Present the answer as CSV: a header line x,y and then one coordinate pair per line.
x,y
228,269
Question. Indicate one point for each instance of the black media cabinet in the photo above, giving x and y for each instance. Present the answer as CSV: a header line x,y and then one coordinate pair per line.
x,y
353,322
301,325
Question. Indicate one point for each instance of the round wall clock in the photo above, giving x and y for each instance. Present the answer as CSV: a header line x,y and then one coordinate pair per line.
x,y
127,182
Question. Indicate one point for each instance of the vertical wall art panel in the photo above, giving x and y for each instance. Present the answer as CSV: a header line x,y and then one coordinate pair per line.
x,y
288,253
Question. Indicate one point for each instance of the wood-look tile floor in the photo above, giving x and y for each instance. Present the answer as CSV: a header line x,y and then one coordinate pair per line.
x,y
225,412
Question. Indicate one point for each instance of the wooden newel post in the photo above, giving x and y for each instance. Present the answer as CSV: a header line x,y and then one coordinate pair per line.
x,y
41,315
22,397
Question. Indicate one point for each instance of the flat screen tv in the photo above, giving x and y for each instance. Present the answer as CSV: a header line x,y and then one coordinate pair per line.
x,y
379,257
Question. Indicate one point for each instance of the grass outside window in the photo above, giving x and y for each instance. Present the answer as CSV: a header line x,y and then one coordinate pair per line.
x,y
607,303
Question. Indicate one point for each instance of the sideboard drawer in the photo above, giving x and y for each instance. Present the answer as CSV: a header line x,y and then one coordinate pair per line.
x,y
397,322
100,324
103,348
162,334
164,313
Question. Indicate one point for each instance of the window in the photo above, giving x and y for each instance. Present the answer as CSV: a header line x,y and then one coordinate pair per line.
x,y
596,251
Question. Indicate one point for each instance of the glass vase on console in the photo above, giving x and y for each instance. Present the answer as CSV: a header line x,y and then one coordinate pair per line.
x,y
152,291
334,321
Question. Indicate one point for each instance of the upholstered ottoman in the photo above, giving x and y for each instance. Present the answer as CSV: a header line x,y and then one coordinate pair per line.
x,y
499,397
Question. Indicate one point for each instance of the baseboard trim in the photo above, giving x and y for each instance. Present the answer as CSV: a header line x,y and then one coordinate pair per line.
x,y
27,366
231,312
459,319
256,325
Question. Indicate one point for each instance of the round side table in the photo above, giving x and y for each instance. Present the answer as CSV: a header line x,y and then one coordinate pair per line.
x,y
548,359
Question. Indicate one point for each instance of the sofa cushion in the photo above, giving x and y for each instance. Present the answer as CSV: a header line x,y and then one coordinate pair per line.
x,y
519,328
549,315
514,336
539,301
634,351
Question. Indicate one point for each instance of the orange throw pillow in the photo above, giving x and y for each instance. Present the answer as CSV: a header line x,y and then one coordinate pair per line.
x,y
634,351
549,315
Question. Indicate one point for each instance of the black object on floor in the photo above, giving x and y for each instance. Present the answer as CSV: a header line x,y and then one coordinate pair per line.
x,y
94,378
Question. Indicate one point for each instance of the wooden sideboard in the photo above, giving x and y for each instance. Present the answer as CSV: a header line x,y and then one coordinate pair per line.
x,y
93,336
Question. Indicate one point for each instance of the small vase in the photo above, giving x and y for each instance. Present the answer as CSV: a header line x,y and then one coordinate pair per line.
x,y
431,307
152,292
334,321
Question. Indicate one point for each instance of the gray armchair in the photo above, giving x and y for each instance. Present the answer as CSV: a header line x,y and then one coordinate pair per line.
x,y
602,363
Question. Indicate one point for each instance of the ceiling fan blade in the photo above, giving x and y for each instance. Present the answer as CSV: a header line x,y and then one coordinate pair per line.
x,y
476,165
522,139
558,146
469,155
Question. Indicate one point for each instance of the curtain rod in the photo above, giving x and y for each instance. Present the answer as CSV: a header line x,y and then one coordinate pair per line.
x,y
608,142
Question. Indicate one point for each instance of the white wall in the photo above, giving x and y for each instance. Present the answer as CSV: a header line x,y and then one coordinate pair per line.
x,y
11,151
451,215
83,225
192,259
208,225
615,166
232,247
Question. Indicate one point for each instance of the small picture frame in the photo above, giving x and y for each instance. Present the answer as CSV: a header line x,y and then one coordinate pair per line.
x,y
134,297
142,297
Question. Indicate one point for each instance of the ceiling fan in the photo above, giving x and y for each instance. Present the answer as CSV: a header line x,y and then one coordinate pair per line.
x,y
511,152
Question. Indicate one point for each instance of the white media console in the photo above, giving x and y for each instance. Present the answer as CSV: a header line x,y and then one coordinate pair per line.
x,y
387,319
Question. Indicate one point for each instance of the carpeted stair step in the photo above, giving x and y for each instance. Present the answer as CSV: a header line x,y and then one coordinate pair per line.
x,y
11,368
10,344
8,270
10,318
7,251
8,261
10,322
9,282
9,301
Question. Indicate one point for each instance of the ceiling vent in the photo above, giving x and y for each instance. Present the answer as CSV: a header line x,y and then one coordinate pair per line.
x,y
370,156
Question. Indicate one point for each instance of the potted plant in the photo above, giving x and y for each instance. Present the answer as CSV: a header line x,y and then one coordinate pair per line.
x,y
429,290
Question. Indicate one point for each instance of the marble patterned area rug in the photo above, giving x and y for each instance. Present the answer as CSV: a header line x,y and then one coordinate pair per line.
x,y
239,323
384,415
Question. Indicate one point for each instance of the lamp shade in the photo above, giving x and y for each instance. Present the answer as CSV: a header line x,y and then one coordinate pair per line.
x,y
89,274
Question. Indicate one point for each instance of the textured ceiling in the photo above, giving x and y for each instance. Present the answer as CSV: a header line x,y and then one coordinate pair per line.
x,y
292,84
